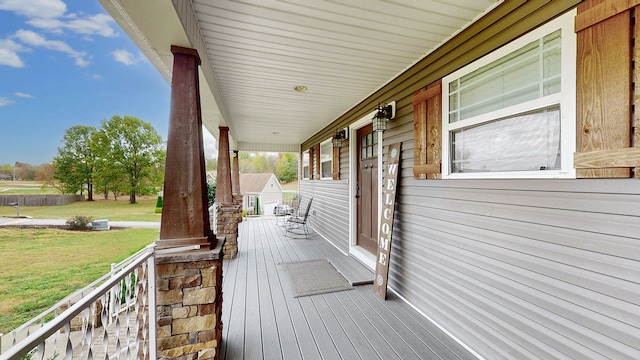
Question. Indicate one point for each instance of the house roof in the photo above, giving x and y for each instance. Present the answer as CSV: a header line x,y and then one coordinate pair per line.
x,y
255,183
254,53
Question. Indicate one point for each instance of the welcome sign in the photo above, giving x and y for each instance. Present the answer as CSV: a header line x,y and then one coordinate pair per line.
x,y
386,221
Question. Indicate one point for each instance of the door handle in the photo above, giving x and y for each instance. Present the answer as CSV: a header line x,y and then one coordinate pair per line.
x,y
357,196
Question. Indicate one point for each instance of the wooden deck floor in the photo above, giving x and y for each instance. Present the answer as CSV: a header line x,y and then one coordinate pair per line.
x,y
262,319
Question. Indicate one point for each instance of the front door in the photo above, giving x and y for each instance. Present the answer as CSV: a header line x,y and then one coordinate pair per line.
x,y
367,189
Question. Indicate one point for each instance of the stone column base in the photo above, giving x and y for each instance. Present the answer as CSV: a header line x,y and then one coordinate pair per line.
x,y
228,217
189,304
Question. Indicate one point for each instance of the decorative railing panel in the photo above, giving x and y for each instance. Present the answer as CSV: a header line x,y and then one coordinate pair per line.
x,y
109,319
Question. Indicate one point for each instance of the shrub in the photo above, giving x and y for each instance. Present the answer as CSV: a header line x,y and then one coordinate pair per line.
x,y
158,210
211,192
79,223
159,202
244,213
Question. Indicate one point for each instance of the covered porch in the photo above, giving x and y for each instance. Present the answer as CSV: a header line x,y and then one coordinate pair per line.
x,y
262,320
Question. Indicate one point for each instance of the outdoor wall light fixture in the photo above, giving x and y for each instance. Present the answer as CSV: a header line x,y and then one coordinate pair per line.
x,y
338,137
383,114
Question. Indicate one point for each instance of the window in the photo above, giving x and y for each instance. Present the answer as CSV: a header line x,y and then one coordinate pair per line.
x,y
511,113
369,145
326,156
305,165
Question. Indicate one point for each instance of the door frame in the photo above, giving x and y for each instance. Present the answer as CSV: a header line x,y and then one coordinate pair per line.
x,y
356,251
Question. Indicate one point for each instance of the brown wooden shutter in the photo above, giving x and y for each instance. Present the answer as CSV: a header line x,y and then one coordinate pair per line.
x,y
427,132
605,74
335,163
312,161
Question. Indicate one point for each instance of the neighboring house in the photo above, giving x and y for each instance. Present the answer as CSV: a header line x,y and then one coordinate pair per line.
x,y
211,176
517,221
265,189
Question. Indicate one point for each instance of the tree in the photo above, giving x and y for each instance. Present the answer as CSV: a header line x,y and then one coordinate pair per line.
x,y
287,167
75,163
133,148
25,171
45,176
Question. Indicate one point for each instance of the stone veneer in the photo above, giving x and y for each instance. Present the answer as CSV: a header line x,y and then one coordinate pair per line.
x,y
189,304
228,217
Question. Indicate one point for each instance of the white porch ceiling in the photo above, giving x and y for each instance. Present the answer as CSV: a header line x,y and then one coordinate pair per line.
x,y
254,52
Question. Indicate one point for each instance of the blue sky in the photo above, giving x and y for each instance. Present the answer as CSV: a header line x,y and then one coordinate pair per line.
x,y
66,63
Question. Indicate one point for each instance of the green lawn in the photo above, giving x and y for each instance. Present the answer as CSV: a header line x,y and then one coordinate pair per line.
x,y
25,187
121,210
42,266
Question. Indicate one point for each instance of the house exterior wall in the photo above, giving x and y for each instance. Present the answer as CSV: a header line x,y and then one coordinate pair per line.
x,y
272,192
330,209
513,268
520,268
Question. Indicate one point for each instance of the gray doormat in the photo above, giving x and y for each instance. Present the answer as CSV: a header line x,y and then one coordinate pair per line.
x,y
312,277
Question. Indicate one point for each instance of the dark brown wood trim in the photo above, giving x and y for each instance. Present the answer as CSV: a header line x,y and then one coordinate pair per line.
x,y
595,13
335,163
186,51
427,131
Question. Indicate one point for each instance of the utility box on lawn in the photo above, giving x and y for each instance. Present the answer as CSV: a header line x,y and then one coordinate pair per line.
x,y
100,224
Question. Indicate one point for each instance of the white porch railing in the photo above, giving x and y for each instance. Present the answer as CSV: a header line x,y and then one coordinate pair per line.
x,y
109,319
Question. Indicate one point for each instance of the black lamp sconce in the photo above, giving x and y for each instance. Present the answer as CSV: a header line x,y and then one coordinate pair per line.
x,y
383,114
339,136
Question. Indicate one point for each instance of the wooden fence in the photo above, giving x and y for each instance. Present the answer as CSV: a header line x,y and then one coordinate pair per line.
x,y
38,200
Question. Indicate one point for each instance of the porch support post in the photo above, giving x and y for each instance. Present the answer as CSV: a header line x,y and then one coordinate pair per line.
x,y
185,216
188,283
223,179
235,183
235,175
229,214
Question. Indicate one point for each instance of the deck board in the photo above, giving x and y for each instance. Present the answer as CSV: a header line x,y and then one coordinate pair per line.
x,y
262,319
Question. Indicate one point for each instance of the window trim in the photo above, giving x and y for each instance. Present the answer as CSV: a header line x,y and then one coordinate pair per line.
x,y
329,159
566,99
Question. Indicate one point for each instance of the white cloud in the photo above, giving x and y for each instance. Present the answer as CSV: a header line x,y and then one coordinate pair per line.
x,y
35,8
10,58
29,37
99,24
24,95
96,77
9,53
124,57
51,15
5,101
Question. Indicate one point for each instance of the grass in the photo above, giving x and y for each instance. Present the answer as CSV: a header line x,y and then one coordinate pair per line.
x,y
25,188
121,210
42,266
292,185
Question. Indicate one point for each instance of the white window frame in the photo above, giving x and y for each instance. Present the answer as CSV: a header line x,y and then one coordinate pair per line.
x,y
324,158
566,99
305,164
